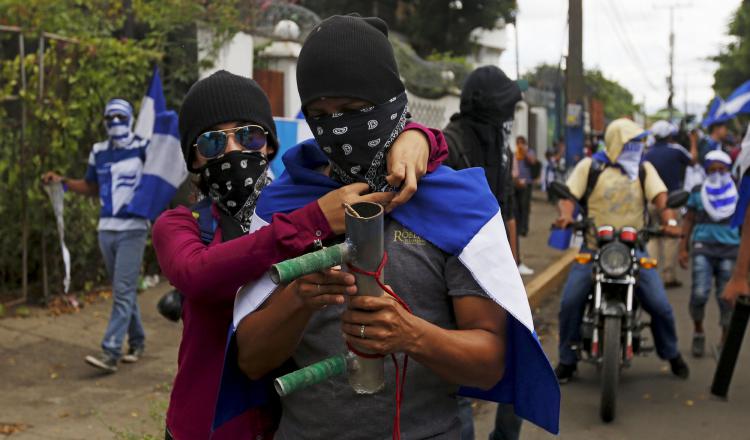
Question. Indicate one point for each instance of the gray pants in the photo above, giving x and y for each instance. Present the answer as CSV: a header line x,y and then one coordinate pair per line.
x,y
507,423
123,253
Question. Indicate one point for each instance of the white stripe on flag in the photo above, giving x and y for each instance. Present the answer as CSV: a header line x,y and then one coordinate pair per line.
x,y
164,159
488,258
144,126
252,295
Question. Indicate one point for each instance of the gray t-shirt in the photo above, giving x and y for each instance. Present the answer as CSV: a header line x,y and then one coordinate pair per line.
x,y
426,278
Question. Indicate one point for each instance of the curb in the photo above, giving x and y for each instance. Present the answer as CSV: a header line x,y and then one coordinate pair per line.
x,y
548,282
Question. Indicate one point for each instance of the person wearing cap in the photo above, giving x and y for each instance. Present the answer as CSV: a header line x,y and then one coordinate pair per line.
x,y
228,137
713,243
618,198
670,160
717,134
114,167
452,328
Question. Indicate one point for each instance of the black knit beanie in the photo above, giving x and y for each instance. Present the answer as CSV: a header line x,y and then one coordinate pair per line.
x,y
219,98
348,56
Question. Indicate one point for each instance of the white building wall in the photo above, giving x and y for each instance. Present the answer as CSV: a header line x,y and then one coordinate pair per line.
x,y
236,56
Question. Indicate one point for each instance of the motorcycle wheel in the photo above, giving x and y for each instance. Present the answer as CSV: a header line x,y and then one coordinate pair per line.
x,y
610,370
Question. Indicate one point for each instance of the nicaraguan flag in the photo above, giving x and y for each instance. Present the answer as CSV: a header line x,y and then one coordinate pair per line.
x,y
164,169
737,103
714,112
480,243
741,166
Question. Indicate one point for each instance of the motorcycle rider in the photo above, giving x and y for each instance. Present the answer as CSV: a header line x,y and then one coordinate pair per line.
x,y
618,197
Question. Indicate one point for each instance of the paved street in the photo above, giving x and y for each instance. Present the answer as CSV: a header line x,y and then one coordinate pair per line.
x,y
652,404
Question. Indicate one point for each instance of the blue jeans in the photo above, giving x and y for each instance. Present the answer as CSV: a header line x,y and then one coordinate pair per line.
x,y
651,294
507,423
706,269
123,253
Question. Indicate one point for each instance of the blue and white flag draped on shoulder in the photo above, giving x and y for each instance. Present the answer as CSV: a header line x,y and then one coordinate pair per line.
x,y
164,169
478,239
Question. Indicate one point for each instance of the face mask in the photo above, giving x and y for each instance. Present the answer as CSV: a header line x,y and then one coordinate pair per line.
x,y
234,181
356,142
120,131
630,159
719,195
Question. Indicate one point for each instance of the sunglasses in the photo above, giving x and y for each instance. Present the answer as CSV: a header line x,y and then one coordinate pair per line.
x,y
213,143
118,116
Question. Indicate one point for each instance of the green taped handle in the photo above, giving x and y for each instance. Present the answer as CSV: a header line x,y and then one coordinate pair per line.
x,y
310,375
289,270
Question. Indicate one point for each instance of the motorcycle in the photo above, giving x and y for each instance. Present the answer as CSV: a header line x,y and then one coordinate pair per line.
x,y
612,320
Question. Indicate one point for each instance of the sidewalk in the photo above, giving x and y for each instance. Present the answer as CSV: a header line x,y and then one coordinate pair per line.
x,y
47,387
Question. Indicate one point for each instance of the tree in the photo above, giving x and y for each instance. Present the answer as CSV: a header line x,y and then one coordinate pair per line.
x,y
107,52
734,60
617,100
430,25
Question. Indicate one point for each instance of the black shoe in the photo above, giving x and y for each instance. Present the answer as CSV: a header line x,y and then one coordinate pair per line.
x,y
673,284
679,367
134,354
103,361
564,372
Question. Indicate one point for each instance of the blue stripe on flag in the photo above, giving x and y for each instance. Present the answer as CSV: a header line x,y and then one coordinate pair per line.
x,y
744,200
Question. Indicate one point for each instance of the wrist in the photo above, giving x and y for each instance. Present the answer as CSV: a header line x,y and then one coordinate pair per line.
x,y
416,345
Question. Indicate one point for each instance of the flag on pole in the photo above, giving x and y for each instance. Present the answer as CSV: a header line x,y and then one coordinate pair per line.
x,y
714,111
164,169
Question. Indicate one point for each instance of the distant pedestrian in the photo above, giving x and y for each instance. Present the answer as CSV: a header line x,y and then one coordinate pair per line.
x,y
479,136
717,134
523,178
670,160
714,243
114,168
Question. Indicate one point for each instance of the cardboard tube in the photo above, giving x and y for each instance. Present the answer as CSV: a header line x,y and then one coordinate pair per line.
x,y
289,270
310,375
365,231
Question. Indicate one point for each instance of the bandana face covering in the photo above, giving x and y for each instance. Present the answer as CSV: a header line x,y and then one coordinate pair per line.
x,y
719,195
356,142
630,158
234,181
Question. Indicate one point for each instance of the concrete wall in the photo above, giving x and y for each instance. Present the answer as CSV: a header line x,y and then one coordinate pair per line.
x,y
235,56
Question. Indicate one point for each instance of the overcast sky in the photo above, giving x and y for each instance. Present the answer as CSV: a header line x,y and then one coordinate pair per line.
x,y
629,41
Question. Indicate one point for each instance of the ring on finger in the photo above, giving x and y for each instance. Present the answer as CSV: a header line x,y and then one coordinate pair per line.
x,y
362,331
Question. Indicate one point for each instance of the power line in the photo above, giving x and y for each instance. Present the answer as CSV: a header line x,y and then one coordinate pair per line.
x,y
627,44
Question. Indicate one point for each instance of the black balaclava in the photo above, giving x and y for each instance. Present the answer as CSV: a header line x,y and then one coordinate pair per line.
x,y
233,180
488,102
350,56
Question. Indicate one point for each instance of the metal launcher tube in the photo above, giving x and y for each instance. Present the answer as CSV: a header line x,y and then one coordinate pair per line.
x,y
364,230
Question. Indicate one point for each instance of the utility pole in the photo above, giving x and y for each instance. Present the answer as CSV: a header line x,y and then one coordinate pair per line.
x,y
670,78
574,64
574,90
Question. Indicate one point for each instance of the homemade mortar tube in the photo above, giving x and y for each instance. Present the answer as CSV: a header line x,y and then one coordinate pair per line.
x,y
731,350
365,233
289,270
310,375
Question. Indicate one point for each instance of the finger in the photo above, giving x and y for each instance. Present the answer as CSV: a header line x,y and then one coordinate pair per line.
x,y
321,301
311,290
396,174
329,276
381,198
355,331
366,345
407,189
358,188
370,303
